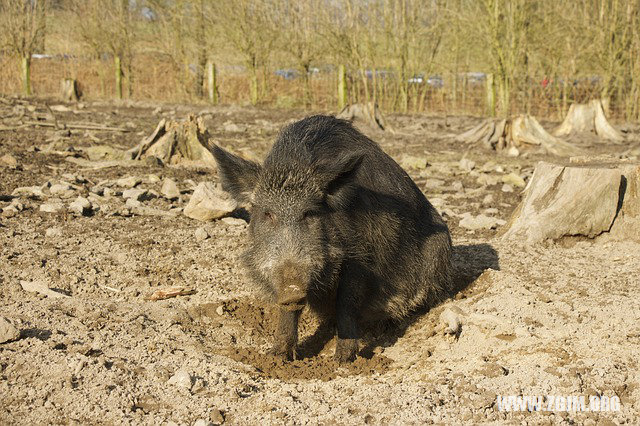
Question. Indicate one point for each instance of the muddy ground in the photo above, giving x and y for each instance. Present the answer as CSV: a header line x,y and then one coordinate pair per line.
x,y
558,318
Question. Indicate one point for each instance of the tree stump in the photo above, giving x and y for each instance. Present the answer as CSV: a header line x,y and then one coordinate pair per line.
x,y
513,134
69,90
587,197
367,115
176,142
585,118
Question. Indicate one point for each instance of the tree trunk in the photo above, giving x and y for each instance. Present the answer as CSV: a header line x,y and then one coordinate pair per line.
x,y
69,89
584,118
253,85
26,75
582,198
342,87
212,80
491,96
118,70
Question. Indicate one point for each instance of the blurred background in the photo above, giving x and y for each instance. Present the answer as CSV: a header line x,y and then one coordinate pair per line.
x,y
479,57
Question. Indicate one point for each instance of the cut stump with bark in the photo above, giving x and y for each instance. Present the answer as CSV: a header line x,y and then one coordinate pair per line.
x,y
514,134
585,118
368,115
69,90
586,197
176,142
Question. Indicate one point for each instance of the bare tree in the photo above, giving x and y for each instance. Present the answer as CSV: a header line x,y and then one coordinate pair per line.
x,y
106,27
22,28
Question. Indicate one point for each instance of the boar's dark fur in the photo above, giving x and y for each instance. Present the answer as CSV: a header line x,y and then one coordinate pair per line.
x,y
338,226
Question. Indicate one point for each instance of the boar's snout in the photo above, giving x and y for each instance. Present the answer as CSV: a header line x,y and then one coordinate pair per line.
x,y
291,285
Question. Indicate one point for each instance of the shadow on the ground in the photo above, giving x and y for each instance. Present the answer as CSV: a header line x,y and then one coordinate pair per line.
x,y
469,261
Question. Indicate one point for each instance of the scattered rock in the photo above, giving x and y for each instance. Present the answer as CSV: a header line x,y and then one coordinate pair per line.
x,y
153,178
62,190
52,206
487,179
9,211
208,202
128,182
8,331
41,288
507,188
480,222
97,189
514,179
201,422
488,200
490,211
216,417
201,234
8,160
137,194
182,379
412,162
53,232
170,189
466,164
153,161
513,152
81,206
433,184
233,221
457,186
451,322
28,191
132,203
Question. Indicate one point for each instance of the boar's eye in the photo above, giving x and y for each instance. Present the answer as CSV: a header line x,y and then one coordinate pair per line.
x,y
310,213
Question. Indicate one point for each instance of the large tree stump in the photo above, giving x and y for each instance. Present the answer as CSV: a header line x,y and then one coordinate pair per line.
x,y
69,90
176,142
514,134
585,118
582,198
367,115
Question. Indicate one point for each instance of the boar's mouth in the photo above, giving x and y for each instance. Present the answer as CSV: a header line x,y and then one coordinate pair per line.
x,y
292,298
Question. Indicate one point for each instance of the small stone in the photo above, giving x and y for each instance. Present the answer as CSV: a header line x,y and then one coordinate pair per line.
x,y
8,160
53,206
182,379
413,162
41,288
8,331
128,182
208,202
507,188
451,321
513,152
137,194
479,222
457,186
490,211
488,200
153,178
9,211
81,205
53,232
201,422
170,189
108,192
201,234
433,184
216,417
466,164
514,179
28,191
233,221
62,190
98,190
132,203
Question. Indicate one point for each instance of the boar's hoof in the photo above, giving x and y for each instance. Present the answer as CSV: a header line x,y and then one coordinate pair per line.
x,y
346,350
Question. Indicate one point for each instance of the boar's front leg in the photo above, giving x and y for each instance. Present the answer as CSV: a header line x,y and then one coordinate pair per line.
x,y
287,333
348,307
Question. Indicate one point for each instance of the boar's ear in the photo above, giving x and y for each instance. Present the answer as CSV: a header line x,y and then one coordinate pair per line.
x,y
238,175
341,180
